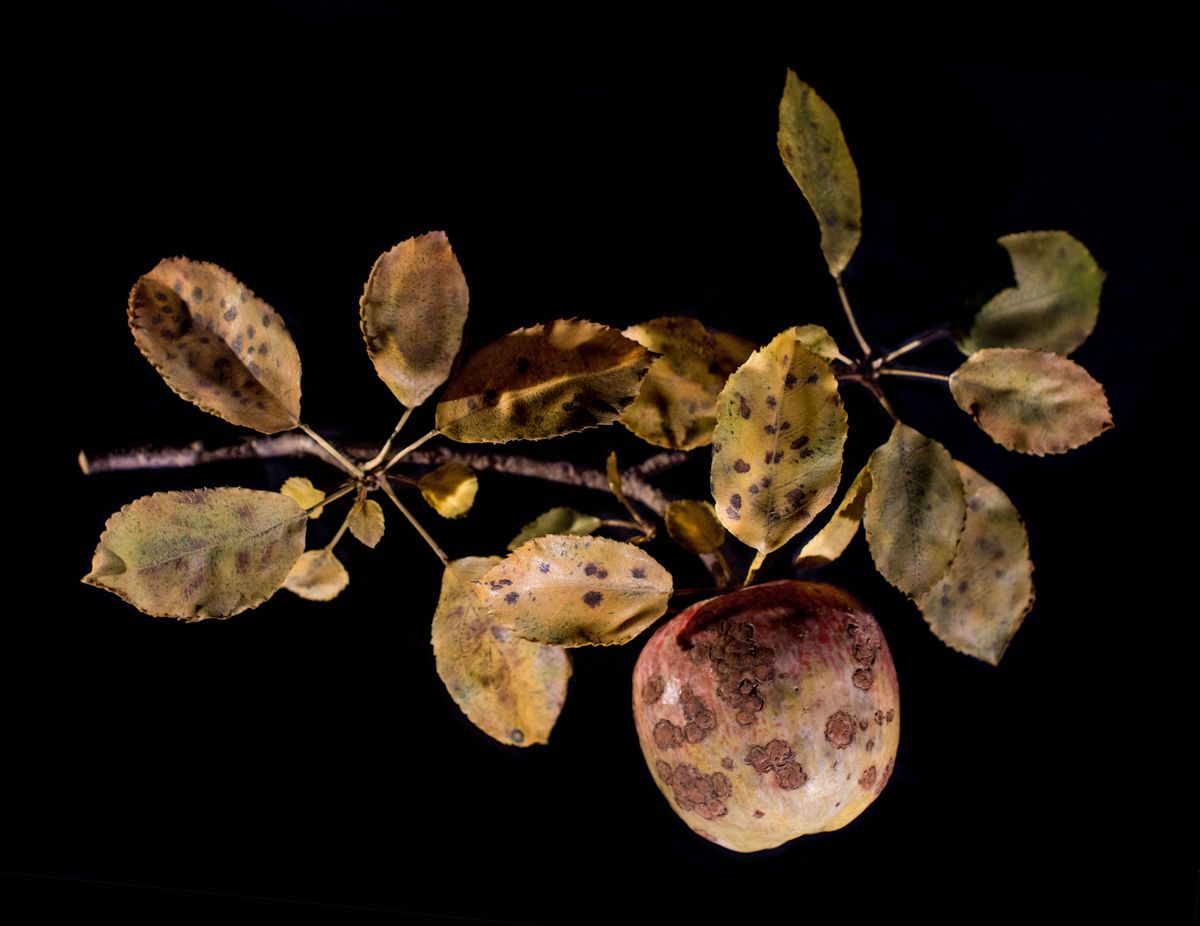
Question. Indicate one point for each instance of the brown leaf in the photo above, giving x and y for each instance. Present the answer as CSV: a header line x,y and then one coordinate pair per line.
x,y
217,345
412,315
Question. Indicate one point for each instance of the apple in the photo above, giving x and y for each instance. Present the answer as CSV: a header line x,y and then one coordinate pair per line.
x,y
768,713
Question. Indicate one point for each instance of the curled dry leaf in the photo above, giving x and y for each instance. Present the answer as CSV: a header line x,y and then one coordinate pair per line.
x,y
777,447
1055,303
412,314
694,526
318,575
541,382
979,604
366,521
199,554
556,521
217,345
301,490
511,689
831,541
915,510
450,489
576,591
814,151
1031,401
676,405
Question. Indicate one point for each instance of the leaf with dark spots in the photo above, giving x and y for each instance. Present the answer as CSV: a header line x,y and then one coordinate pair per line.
x,y
511,689
199,554
568,605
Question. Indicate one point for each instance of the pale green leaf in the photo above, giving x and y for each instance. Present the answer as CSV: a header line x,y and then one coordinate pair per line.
x,y
1031,401
217,345
831,541
819,341
556,521
366,521
1055,303
777,447
318,575
815,154
199,554
694,526
301,490
979,604
541,382
915,510
576,591
450,489
412,314
511,689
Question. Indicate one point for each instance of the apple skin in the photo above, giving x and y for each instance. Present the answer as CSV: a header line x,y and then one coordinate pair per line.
x,y
768,713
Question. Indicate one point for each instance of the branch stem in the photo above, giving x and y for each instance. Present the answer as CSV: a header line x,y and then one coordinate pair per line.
x,y
345,524
387,445
400,455
936,333
915,374
858,335
345,463
391,493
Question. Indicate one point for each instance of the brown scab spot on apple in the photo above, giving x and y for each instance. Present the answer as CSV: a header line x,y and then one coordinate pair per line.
x,y
777,757
592,599
667,735
739,665
727,764
700,721
890,715
862,725
758,814
863,678
699,793
867,779
839,729
653,689
887,774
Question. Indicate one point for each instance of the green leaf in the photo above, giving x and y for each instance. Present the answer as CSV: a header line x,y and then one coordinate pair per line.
x,y
777,447
511,689
815,153
915,510
1055,303
301,490
318,575
556,521
450,489
541,382
677,403
819,341
576,591
831,541
978,606
412,314
1031,401
199,554
366,521
694,526
217,345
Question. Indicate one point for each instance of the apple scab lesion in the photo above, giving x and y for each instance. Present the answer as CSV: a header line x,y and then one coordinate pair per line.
x,y
779,758
694,791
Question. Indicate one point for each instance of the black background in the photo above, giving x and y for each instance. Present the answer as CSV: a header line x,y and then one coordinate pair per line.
x,y
309,753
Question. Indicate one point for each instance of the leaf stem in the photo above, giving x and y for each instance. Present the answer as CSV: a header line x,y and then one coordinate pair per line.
x,y
726,574
345,463
759,559
858,335
333,496
936,333
915,374
391,493
400,455
873,387
617,522
345,523
387,445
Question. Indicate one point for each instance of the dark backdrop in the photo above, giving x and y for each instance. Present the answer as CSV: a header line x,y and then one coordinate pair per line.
x,y
308,752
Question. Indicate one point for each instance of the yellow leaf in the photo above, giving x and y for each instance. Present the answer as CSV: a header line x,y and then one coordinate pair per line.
x,y
1031,401
979,604
511,689
575,591
305,494
819,341
199,554
318,575
450,489
366,521
556,521
777,448
831,541
613,472
412,314
541,382
814,151
217,345
915,510
694,526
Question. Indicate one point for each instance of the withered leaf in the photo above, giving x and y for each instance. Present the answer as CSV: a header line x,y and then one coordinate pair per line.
x,y
677,403
694,526
511,689
831,541
541,382
199,554
815,153
575,591
777,447
1031,401
301,490
979,604
915,510
412,314
366,521
450,489
317,575
1055,303
556,521
217,345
